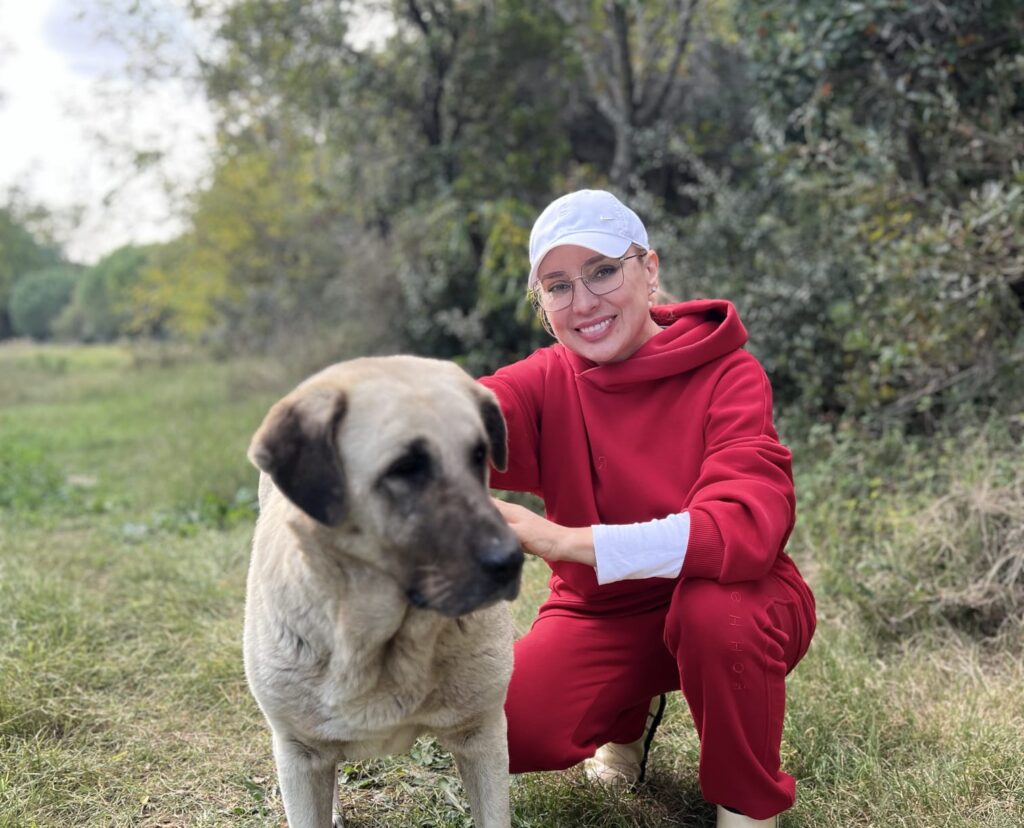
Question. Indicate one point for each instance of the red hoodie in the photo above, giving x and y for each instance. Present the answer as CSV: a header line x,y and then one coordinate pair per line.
x,y
684,424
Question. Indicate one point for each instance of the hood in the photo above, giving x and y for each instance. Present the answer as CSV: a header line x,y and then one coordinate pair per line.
x,y
694,334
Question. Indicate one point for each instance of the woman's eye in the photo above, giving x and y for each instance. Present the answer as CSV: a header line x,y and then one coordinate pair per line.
x,y
557,287
603,272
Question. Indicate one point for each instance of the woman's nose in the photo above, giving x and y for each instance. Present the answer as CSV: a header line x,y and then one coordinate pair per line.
x,y
582,298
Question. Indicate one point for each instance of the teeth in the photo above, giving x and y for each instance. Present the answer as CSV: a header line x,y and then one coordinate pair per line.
x,y
600,326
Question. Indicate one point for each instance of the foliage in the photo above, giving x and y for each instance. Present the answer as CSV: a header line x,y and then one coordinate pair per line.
x,y
389,154
38,299
941,80
100,308
848,173
21,251
905,313
873,251
509,324
272,263
632,54
937,322
464,288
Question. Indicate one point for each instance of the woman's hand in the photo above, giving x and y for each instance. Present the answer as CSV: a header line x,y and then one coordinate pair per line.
x,y
548,540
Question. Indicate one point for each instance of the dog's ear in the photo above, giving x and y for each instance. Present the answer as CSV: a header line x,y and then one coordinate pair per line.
x,y
296,446
494,425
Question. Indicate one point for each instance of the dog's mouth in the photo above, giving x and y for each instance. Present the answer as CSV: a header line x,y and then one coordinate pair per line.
x,y
452,598
417,598
465,605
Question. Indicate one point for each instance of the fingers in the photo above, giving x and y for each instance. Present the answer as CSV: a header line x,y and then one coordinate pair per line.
x,y
510,511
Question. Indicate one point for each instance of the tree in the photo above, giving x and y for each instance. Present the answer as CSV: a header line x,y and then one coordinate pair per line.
x,y
100,307
872,252
632,53
327,152
21,251
38,299
939,80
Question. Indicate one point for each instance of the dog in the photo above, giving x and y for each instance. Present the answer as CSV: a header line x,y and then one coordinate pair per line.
x,y
376,596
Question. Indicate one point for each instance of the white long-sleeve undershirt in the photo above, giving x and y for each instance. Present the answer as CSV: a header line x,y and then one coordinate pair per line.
x,y
652,549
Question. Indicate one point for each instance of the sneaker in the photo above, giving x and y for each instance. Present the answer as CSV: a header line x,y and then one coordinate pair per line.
x,y
731,819
623,765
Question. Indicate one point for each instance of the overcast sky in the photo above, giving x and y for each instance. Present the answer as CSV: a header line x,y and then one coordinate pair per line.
x,y
53,110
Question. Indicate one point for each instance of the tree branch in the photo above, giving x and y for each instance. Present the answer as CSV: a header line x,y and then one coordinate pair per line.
x,y
622,76
572,13
649,107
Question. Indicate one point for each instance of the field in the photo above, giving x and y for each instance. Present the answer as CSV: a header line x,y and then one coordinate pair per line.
x,y
126,509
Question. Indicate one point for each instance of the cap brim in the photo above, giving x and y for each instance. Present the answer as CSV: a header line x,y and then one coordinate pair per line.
x,y
604,243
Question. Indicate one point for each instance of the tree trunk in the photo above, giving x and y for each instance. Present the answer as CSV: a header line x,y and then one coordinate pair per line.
x,y
631,54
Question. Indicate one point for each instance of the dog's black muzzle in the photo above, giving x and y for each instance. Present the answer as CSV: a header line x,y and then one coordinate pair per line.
x,y
492,575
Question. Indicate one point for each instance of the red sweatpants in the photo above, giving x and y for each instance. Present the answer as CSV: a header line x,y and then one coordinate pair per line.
x,y
579,681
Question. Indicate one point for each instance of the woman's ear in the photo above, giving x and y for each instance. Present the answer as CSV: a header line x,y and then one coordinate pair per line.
x,y
651,269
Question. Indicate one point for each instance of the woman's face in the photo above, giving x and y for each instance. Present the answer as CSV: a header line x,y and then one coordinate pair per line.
x,y
608,328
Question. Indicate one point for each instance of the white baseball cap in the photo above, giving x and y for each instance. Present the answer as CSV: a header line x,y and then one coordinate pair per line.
x,y
594,219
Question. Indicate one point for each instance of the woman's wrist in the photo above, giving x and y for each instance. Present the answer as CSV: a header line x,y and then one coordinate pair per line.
x,y
578,545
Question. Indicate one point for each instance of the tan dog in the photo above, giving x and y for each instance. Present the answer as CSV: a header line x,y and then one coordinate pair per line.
x,y
379,564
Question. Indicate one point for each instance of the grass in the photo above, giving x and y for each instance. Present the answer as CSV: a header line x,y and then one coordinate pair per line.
x,y
125,517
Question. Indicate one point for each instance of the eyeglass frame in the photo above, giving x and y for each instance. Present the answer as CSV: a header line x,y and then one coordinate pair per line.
x,y
537,292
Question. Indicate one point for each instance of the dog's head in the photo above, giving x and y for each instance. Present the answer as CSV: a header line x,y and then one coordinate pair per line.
x,y
390,455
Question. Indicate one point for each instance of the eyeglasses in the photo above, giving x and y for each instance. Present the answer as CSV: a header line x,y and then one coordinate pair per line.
x,y
556,292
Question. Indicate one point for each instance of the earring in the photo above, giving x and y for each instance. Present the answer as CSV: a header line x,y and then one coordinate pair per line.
x,y
653,290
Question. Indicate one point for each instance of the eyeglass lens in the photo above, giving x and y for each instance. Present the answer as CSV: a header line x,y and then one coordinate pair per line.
x,y
600,278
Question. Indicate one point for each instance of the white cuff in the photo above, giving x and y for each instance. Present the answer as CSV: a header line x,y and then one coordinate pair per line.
x,y
654,549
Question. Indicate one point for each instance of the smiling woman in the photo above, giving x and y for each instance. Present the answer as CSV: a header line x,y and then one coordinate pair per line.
x,y
648,432
607,318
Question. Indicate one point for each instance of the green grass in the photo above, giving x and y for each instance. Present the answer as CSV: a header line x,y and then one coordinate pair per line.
x,y
125,517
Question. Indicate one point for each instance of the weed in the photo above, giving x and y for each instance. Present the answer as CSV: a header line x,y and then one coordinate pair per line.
x,y
28,482
915,535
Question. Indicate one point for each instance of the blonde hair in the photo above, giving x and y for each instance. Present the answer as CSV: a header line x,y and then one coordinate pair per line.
x,y
533,297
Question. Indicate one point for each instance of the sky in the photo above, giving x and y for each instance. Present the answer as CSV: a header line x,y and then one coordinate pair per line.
x,y
69,116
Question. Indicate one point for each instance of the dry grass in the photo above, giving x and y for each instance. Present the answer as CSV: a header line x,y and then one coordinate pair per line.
x,y
122,699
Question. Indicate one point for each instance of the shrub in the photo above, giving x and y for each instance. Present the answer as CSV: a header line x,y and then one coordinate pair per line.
x,y
462,271
38,299
99,310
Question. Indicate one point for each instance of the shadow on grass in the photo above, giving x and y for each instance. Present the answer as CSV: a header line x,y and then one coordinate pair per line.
x,y
567,798
679,799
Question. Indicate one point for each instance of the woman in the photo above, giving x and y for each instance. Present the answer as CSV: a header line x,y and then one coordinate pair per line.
x,y
647,430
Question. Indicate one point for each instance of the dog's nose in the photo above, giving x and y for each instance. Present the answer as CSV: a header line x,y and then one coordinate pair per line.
x,y
502,560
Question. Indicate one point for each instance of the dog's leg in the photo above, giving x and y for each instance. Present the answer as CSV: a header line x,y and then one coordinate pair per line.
x,y
306,778
339,819
481,755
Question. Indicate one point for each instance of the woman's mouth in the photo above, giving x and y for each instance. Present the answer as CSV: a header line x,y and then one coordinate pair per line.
x,y
595,330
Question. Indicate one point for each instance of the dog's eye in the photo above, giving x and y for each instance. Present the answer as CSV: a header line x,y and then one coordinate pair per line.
x,y
413,467
478,456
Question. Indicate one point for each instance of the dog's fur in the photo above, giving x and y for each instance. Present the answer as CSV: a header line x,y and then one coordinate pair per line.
x,y
374,609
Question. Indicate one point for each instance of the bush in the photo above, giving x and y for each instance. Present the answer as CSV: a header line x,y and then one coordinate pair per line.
x,y
22,250
867,302
38,299
99,310
463,279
